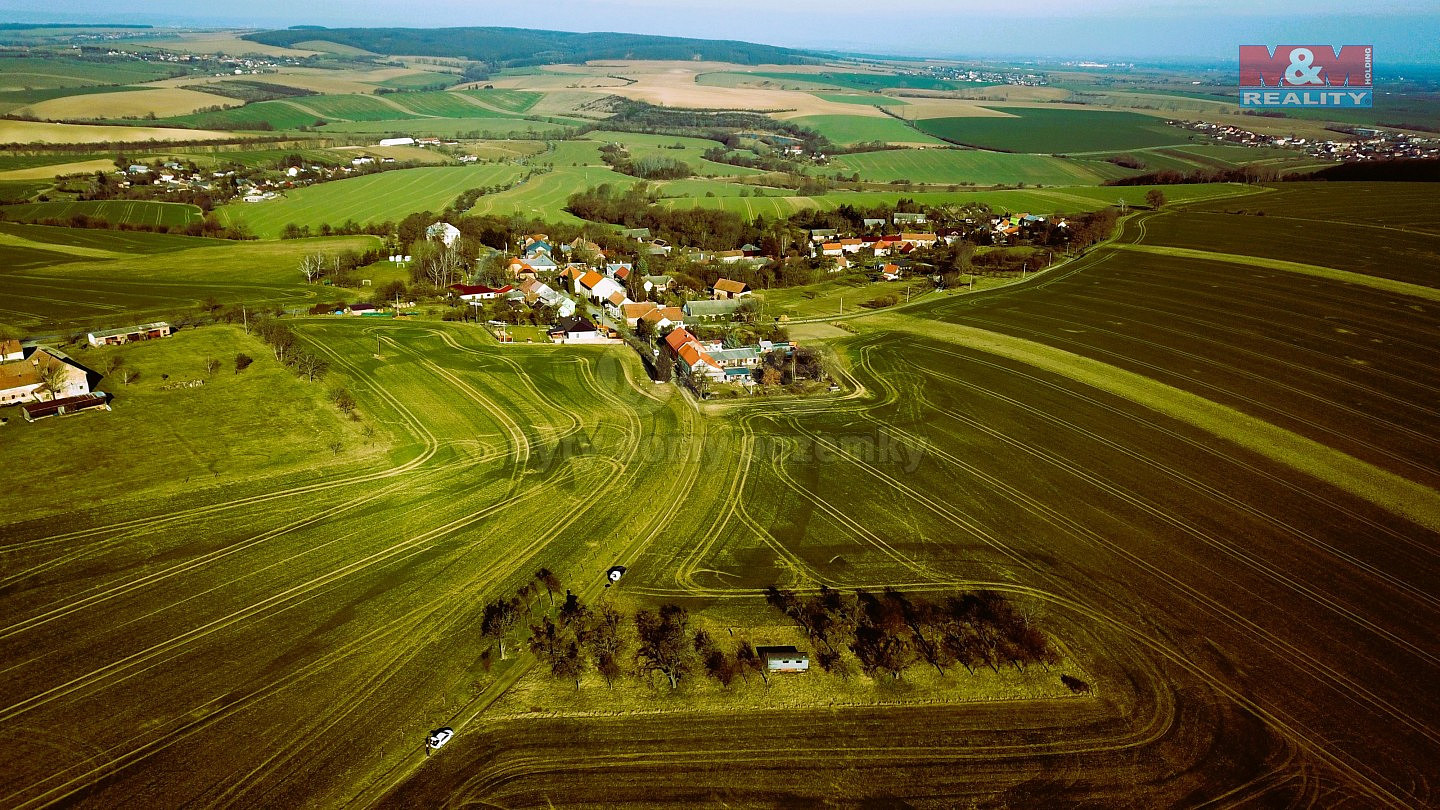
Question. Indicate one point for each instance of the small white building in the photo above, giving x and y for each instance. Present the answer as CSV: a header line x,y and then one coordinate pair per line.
x,y
443,231
397,142
784,659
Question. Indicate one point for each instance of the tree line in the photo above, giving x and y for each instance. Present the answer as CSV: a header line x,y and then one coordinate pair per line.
x,y
892,631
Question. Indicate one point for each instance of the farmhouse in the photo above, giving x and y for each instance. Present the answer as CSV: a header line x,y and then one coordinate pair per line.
x,y
597,287
726,289
784,659
11,350
478,292
115,337
443,231
661,317
31,379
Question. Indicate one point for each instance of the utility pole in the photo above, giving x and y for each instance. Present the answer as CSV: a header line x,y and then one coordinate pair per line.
x,y
245,317
842,305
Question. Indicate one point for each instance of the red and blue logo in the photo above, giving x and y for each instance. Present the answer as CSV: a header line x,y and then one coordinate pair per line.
x,y
1306,76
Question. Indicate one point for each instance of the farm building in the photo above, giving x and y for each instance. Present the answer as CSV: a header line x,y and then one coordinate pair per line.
x,y
397,142
580,330
784,659
710,310
129,334
11,350
909,219
726,289
478,292
61,407
31,379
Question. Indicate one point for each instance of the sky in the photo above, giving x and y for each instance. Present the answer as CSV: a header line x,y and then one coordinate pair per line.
x,y
1406,31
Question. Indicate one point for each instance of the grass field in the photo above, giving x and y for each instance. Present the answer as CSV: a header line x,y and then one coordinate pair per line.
x,y
1056,131
274,114
59,279
373,198
164,103
39,132
544,196
483,127
119,212
975,166
1409,206
25,72
848,129
863,81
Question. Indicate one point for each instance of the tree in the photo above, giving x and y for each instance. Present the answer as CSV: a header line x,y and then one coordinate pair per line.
x,y
312,266
747,660
242,362
53,377
645,331
499,619
212,365
1154,198
344,400
603,640
310,365
663,642
572,613
551,582
557,647
717,664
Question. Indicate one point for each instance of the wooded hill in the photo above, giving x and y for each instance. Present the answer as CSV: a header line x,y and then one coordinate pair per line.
x,y
520,47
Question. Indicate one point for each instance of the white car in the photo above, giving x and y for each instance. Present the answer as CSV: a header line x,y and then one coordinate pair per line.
x,y
439,737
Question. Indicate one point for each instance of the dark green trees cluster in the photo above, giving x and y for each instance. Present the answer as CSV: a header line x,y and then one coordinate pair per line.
x,y
890,632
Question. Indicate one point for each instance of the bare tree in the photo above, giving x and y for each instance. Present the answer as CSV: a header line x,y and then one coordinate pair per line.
x,y
663,646
53,377
312,266
747,660
310,365
557,647
500,618
551,582
212,365
604,641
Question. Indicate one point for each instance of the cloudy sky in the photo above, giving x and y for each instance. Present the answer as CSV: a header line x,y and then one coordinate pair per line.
x,y
1404,31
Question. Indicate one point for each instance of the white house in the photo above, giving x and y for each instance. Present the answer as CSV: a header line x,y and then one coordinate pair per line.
x,y
443,231
599,288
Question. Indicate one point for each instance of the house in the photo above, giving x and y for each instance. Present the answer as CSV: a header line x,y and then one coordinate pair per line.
x,y
597,287
890,272
727,289
536,247
661,317
823,234
478,292
679,337
542,263
619,270
361,309
11,350
874,223
918,239
698,361
638,234
657,247
909,219
783,659
115,337
443,231
831,249
742,357
580,330
657,283
730,256
710,310
534,292
521,269
21,380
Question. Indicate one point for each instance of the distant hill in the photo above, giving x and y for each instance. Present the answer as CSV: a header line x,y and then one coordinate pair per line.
x,y
521,47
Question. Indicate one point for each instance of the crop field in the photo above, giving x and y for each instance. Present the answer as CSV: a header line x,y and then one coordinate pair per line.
x,y
164,103
873,99
1407,206
514,101
862,81
545,195
274,114
484,126
975,166
442,105
64,279
351,107
119,212
848,129
42,132
372,198
1048,131
1215,487
1045,201
24,72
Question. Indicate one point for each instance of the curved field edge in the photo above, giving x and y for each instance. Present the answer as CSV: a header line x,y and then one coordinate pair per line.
x,y
1385,489
1331,273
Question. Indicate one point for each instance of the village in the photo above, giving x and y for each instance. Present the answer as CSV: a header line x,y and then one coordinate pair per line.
x,y
1364,143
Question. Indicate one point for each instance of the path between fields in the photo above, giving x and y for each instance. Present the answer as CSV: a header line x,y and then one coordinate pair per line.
x,y
1386,284
1385,489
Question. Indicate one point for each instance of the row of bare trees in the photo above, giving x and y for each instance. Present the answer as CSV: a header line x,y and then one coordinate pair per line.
x,y
289,351
888,633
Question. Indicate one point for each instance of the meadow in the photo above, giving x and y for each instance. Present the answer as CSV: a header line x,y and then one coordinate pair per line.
x,y
1056,131
373,198
486,127
850,129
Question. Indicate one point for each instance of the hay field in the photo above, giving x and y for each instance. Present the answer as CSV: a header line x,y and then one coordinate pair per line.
x,y
25,132
133,104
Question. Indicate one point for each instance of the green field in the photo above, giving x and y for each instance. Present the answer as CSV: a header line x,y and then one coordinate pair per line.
x,y
18,161
1056,131
39,73
545,196
513,101
1043,201
119,212
260,115
974,166
1171,465
57,278
483,127
865,81
372,198
1392,205
848,129
642,145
